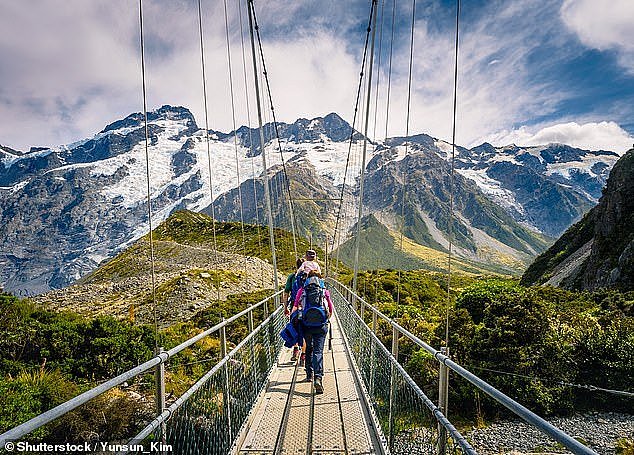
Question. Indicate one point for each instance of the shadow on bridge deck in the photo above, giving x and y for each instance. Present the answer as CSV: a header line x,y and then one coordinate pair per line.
x,y
290,419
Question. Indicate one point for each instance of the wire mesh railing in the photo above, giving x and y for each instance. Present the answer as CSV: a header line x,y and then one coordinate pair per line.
x,y
410,421
209,416
205,419
365,341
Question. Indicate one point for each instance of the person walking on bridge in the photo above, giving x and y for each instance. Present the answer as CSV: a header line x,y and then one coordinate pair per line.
x,y
290,291
315,308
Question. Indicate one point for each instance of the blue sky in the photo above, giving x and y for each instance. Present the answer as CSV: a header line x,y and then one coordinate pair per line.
x,y
530,71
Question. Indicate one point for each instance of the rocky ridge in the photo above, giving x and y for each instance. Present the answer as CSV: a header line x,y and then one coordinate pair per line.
x,y
598,251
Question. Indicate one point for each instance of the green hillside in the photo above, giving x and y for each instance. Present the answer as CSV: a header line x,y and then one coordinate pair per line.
x,y
191,270
379,248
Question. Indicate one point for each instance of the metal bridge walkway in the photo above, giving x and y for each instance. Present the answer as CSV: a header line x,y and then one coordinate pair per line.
x,y
290,419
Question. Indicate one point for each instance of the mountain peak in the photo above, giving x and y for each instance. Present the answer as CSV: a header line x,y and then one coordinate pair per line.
x,y
10,151
165,112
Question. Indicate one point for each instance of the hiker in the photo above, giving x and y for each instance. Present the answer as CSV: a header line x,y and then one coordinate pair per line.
x,y
314,307
310,263
290,291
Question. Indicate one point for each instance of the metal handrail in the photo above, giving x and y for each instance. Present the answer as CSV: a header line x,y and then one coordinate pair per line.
x,y
179,402
52,414
519,410
438,415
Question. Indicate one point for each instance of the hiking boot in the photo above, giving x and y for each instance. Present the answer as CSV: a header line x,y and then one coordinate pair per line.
x,y
295,352
319,388
302,360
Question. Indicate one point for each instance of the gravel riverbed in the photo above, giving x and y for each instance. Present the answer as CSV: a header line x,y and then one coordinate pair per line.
x,y
600,431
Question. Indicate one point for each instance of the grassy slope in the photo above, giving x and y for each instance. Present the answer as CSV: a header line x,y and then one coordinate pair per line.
x,y
379,248
541,270
196,229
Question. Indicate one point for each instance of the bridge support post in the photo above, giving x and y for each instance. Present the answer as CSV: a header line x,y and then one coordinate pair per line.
x,y
226,398
159,379
392,388
443,402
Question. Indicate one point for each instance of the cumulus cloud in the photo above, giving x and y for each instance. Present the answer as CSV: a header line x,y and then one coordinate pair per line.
x,y
71,68
590,136
603,26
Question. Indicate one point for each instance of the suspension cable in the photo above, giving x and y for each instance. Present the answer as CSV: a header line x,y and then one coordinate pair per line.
x,y
265,176
378,69
147,167
561,382
337,233
389,73
211,187
451,180
365,148
251,150
235,137
277,133
404,173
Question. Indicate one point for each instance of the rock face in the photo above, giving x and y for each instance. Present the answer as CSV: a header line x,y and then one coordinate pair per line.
x,y
598,251
63,210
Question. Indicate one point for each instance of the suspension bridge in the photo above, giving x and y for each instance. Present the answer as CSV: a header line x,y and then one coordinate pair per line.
x,y
253,400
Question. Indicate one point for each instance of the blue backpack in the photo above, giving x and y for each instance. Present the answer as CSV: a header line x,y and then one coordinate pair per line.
x,y
298,283
313,302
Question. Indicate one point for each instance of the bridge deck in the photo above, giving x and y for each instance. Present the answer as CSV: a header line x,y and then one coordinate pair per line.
x,y
290,419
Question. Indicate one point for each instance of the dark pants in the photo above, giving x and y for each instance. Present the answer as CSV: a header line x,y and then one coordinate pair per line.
x,y
315,350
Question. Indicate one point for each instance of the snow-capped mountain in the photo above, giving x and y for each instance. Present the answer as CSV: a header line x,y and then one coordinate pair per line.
x,y
65,209
546,188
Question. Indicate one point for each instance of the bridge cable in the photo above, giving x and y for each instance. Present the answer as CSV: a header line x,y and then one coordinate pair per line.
x,y
365,147
389,73
211,188
235,138
337,233
404,173
265,176
589,387
451,180
275,125
147,167
251,150
378,68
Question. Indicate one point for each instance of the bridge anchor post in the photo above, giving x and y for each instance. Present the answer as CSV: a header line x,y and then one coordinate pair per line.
x,y
443,402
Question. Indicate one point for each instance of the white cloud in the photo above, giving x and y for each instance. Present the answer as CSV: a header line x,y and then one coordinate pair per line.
x,y
603,25
74,68
491,97
590,136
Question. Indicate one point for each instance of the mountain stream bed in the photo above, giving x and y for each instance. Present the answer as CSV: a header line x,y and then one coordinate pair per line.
x,y
600,431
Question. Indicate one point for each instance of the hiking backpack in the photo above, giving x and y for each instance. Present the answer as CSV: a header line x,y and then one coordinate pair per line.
x,y
298,283
313,302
